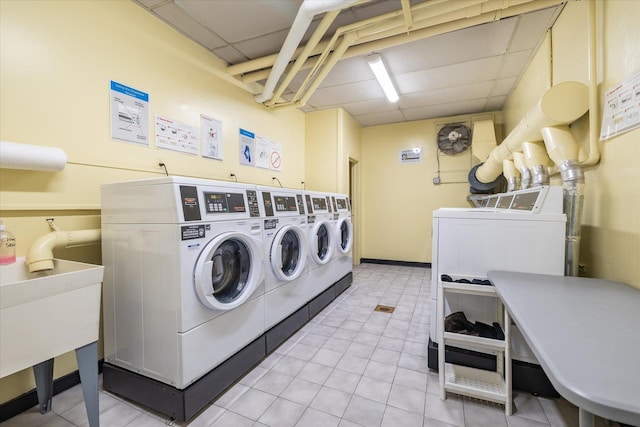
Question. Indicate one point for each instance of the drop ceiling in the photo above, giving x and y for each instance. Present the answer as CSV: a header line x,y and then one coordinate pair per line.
x,y
465,71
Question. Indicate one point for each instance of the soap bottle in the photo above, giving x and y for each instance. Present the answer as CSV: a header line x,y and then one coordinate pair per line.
x,y
7,245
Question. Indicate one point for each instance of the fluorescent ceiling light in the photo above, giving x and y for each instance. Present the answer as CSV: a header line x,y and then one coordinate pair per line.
x,y
377,66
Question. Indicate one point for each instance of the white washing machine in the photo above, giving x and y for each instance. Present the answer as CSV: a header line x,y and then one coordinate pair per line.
x,y
321,239
286,248
521,231
184,275
342,261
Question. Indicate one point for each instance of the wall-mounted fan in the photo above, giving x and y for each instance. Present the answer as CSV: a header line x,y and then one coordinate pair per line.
x,y
454,139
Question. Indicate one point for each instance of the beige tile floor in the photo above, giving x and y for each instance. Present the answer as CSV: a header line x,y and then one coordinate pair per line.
x,y
349,366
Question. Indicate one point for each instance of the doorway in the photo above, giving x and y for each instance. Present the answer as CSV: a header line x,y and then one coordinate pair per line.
x,y
354,198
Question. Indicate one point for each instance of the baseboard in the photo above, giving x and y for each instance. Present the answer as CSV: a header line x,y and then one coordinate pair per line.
x,y
393,262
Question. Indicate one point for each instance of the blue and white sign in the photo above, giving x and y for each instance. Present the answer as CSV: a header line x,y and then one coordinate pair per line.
x,y
129,114
247,143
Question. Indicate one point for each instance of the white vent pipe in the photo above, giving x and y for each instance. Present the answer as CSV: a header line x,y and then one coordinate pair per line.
x,y
40,254
561,104
308,9
14,155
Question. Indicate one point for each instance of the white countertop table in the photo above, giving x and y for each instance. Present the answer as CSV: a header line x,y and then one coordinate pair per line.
x,y
584,332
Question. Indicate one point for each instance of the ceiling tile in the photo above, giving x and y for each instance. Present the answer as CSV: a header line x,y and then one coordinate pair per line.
x,y
150,3
448,76
378,105
503,87
444,96
380,118
348,71
339,95
515,63
229,54
495,103
445,110
236,21
178,18
530,24
451,48
263,45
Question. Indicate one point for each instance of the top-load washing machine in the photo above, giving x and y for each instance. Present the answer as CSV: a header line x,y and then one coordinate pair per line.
x,y
321,239
286,248
342,261
184,276
521,231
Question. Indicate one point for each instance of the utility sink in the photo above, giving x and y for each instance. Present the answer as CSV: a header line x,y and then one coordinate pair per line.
x,y
48,313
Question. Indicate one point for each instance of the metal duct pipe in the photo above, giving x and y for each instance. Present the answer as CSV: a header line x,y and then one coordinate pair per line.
x,y
512,174
525,173
563,150
537,160
561,104
303,19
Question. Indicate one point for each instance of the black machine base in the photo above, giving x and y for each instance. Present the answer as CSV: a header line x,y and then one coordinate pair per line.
x,y
182,404
526,376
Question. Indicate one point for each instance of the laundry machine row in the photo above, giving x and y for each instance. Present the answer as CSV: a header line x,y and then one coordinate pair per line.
x,y
202,280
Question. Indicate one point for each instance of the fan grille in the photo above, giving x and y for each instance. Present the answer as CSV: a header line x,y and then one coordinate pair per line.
x,y
454,139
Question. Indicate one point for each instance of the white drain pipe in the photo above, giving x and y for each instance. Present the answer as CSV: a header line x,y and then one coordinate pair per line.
x,y
40,254
307,11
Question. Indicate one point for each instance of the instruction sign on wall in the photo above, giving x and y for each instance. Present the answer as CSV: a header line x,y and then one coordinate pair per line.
x,y
129,114
621,107
211,137
176,136
410,155
247,143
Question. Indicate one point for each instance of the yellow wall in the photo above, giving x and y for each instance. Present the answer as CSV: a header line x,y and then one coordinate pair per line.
x,y
611,225
333,140
321,152
398,199
57,59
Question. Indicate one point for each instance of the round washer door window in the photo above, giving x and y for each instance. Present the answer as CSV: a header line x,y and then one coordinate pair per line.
x,y
322,243
228,270
288,253
344,235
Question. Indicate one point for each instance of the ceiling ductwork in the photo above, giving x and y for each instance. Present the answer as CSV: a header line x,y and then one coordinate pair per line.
x,y
311,53
308,10
364,37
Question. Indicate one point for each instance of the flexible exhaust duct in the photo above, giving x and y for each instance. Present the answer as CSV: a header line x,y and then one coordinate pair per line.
x,y
561,104
563,150
525,173
307,11
537,161
512,174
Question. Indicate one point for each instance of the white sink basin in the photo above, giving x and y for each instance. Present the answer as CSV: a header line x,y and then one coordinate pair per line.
x,y
46,314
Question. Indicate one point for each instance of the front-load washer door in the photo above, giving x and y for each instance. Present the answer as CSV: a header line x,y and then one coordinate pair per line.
x,y
288,253
344,235
228,271
322,242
